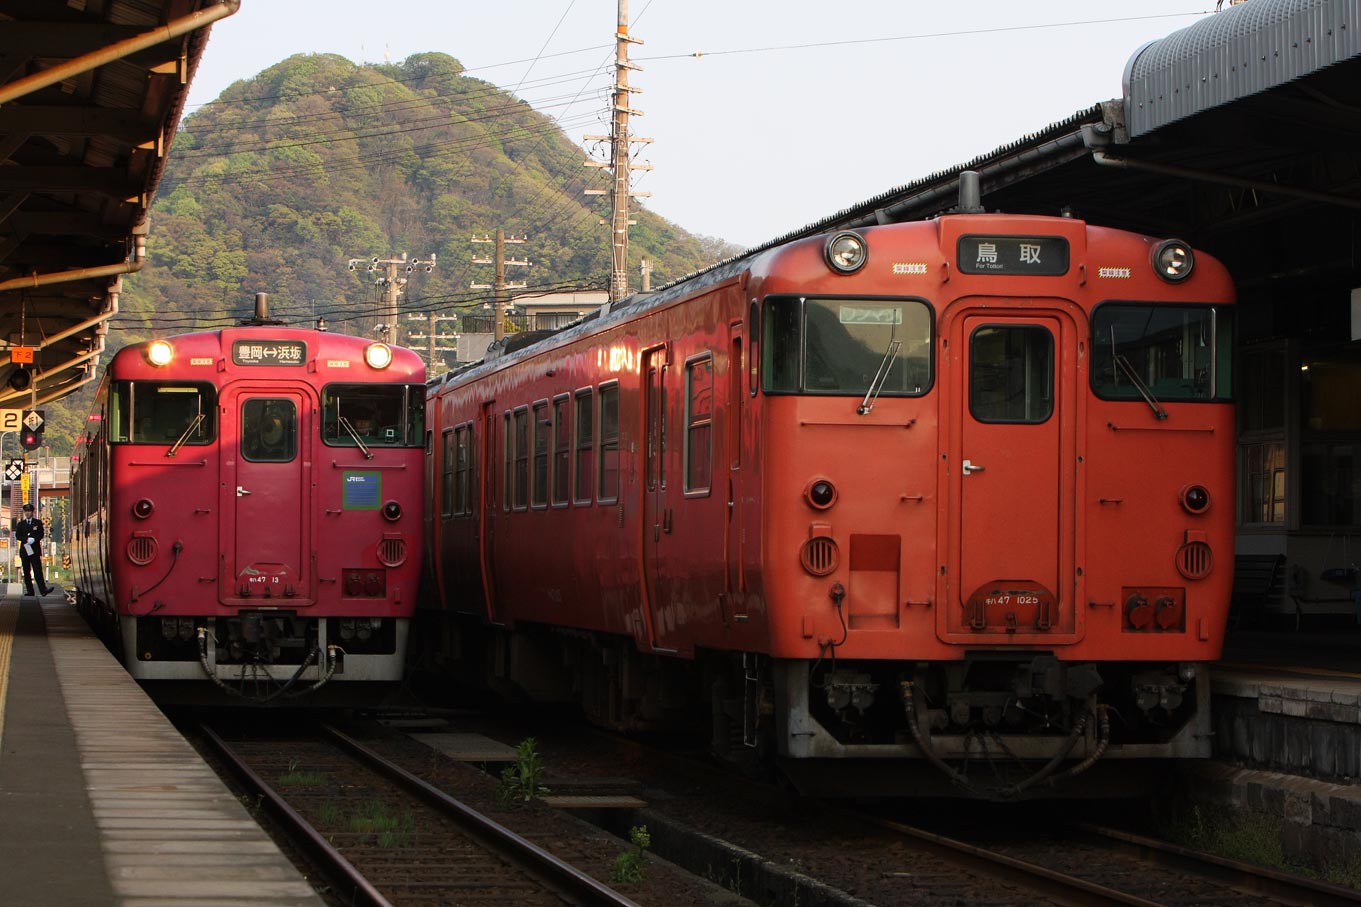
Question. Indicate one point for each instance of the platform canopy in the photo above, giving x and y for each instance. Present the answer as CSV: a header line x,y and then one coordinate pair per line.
x,y
1240,133
91,92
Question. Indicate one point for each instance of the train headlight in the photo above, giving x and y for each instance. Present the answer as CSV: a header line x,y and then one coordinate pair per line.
x,y
392,511
160,353
378,355
846,252
143,508
1173,260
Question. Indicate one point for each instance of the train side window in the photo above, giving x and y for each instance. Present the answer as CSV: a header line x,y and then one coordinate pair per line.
x,y
1011,373
520,478
269,430
583,467
447,448
463,470
609,443
539,432
699,424
562,451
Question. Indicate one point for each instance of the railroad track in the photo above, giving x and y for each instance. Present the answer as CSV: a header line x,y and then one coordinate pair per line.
x,y
386,837
840,858
1098,866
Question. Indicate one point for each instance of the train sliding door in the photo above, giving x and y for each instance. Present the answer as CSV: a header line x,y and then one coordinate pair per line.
x,y
1012,476
267,498
657,506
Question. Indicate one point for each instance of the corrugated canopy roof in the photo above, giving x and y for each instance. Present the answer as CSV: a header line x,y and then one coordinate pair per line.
x,y
90,96
1245,49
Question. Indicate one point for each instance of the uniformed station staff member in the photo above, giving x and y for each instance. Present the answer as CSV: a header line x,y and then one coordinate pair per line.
x,y
28,534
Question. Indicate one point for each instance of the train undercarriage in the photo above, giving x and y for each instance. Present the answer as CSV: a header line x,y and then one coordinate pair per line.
x,y
1010,726
259,657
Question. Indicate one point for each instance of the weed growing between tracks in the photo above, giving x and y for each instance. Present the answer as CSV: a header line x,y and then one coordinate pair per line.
x,y
524,779
631,865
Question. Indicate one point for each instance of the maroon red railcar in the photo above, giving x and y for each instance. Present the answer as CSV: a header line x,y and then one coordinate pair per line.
x,y
954,493
248,509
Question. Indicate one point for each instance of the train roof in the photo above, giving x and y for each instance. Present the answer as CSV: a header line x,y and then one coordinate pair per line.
x,y
1199,122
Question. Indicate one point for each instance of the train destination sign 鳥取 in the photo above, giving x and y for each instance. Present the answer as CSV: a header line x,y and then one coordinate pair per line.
x,y
1038,255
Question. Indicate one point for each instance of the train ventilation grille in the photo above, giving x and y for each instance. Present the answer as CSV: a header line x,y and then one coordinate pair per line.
x,y
1195,560
820,556
392,552
141,550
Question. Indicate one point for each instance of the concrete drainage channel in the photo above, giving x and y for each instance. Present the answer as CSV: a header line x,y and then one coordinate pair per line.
x,y
746,874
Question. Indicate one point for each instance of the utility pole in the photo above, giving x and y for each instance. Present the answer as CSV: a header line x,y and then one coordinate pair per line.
x,y
500,286
393,281
433,337
620,163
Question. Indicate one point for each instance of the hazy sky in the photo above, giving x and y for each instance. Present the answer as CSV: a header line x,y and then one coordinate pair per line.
x,y
791,111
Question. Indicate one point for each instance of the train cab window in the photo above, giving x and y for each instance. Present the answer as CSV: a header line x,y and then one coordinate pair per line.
x,y
149,412
1011,373
699,424
846,347
373,415
269,430
1179,353
609,443
584,449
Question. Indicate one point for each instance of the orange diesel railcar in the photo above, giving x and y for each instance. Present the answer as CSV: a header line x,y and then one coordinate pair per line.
x,y
955,493
248,511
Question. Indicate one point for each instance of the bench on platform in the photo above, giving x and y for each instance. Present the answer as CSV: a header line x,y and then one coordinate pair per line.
x,y
1258,589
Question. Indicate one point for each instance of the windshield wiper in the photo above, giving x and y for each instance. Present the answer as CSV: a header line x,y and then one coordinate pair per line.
x,y
193,425
1140,386
345,424
880,378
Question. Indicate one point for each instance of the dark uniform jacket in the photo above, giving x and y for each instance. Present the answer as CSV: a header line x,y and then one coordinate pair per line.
x,y
30,528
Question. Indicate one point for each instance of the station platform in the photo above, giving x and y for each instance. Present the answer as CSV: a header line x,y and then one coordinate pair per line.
x,y
1287,739
102,801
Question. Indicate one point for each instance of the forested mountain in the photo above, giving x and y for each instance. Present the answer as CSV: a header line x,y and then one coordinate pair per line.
x,y
283,179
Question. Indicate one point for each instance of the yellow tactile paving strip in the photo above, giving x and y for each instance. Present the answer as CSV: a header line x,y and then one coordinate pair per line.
x,y
9,613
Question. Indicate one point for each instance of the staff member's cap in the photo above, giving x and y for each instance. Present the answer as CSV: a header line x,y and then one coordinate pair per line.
x,y
28,508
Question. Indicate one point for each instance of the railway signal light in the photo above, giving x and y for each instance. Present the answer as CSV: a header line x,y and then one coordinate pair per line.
x,y
31,435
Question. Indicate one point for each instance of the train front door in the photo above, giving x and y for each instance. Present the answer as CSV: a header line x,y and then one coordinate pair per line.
x,y
267,491
1012,475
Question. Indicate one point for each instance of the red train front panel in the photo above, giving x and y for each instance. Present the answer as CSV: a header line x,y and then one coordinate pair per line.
x,y
250,508
889,494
